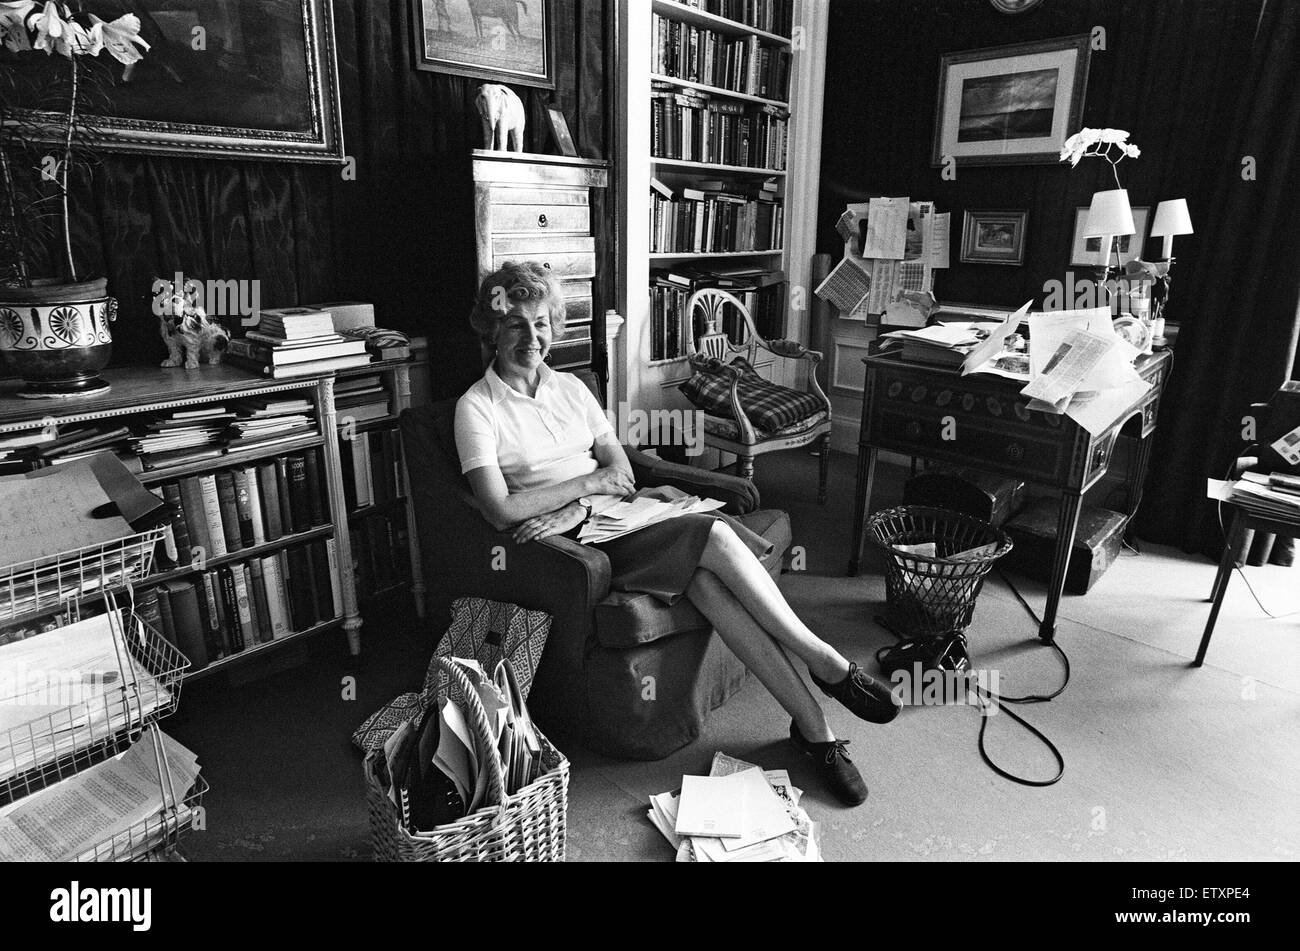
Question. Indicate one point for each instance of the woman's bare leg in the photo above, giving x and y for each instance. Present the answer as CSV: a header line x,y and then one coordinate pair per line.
x,y
759,652
727,557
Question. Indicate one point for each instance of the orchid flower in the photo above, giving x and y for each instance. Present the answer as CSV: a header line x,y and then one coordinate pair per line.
x,y
1099,143
117,37
13,25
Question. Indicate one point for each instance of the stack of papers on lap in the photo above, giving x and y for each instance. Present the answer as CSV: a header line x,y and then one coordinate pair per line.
x,y
623,518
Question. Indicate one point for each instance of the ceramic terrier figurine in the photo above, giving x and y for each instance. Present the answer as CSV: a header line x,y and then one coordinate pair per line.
x,y
503,118
190,336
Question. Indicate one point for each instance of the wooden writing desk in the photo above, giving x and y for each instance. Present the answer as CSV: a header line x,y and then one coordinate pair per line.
x,y
904,409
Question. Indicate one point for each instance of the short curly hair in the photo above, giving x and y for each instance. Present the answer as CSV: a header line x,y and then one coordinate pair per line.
x,y
516,282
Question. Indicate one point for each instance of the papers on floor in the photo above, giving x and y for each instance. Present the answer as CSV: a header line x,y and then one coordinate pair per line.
x,y
623,518
738,813
64,689
1259,494
86,810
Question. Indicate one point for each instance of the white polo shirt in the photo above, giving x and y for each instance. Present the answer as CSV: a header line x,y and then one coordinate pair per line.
x,y
534,441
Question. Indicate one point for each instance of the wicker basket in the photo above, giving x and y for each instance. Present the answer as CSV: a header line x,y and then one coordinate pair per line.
x,y
929,597
528,826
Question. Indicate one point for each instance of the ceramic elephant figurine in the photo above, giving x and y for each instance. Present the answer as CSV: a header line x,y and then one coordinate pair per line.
x,y
503,118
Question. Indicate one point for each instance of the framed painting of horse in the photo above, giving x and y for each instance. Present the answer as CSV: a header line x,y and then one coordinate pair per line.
x,y
508,41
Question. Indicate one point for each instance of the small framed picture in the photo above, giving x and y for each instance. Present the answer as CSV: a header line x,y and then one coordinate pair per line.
x,y
504,41
560,131
1087,251
994,237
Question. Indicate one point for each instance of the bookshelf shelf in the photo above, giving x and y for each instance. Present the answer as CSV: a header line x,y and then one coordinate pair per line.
x,y
259,650
717,91
381,508
256,551
714,167
229,461
711,21
704,255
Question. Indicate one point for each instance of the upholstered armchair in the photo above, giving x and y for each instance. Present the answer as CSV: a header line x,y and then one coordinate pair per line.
x,y
631,676
744,414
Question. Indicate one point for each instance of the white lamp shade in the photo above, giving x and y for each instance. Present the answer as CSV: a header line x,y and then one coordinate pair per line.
x,y
1110,215
1171,219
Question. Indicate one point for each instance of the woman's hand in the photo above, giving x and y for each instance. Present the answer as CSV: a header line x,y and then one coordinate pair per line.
x,y
610,481
552,523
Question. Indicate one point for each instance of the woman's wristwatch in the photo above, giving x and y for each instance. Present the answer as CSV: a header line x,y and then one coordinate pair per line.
x,y
586,504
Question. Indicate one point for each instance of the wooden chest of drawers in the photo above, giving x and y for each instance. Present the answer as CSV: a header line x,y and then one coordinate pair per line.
x,y
544,208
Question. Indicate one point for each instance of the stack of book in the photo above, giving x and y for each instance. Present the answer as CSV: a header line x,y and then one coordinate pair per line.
x,y
296,341
74,444
263,422
181,436
716,217
361,399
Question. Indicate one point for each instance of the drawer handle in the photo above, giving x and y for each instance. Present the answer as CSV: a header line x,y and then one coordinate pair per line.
x,y
1015,452
913,429
542,221
547,265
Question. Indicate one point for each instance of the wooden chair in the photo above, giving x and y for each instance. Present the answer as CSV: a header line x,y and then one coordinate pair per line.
x,y
737,435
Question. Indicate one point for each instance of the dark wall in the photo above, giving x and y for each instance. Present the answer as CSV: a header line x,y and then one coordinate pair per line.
x,y
401,235
1166,76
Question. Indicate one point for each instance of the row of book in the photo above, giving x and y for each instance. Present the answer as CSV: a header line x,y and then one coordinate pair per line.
x,y
763,293
739,64
772,16
694,127
700,220
227,610
372,468
223,512
381,553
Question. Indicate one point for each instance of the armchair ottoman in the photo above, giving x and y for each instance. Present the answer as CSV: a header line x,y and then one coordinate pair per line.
x,y
633,677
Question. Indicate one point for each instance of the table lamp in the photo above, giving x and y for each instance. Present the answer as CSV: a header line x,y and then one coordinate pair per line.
x,y
1171,219
1110,216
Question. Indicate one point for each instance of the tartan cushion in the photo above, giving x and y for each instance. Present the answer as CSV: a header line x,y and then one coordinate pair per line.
x,y
768,406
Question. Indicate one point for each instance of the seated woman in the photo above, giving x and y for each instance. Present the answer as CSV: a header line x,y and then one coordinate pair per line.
x,y
540,454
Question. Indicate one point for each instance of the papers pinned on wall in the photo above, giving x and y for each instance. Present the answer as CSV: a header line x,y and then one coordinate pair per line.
x,y
846,287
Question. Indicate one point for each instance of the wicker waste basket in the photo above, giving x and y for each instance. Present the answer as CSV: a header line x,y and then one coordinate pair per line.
x,y
934,596
528,826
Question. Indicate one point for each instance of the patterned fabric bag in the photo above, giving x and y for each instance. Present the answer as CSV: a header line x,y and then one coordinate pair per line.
x,y
486,631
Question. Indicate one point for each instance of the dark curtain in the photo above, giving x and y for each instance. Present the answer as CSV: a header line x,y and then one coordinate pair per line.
x,y
401,235
1238,344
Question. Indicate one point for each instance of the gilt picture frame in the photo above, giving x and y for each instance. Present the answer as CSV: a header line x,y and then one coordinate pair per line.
x,y
1010,105
224,79
994,237
504,41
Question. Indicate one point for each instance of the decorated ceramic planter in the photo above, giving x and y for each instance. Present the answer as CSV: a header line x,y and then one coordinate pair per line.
x,y
56,337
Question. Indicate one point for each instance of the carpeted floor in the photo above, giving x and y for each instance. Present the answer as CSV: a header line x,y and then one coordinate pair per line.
x,y
1163,762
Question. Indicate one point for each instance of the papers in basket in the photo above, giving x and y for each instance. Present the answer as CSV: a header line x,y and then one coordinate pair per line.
x,y
70,687
761,808
624,518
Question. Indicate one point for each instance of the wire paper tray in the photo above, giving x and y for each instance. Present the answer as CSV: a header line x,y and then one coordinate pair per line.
x,y
58,745
31,587
145,840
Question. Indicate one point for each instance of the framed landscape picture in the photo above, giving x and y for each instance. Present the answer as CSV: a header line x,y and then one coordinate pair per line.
x,y
1087,251
1010,105
507,41
224,79
994,237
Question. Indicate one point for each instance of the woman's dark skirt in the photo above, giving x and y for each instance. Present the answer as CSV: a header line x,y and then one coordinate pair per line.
x,y
661,559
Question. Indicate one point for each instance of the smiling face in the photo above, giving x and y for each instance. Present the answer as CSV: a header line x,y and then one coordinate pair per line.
x,y
524,337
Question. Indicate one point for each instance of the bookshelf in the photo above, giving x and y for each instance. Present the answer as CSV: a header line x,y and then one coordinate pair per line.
x,y
314,542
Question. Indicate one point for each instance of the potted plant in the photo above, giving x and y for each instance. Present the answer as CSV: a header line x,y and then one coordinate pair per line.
x,y
54,326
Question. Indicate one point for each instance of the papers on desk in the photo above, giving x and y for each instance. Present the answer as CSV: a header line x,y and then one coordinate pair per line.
x,y
624,518
739,813
74,816
59,512
992,356
1254,493
65,688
